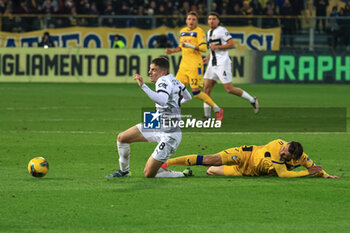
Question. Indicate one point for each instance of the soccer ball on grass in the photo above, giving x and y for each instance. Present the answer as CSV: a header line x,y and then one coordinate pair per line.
x,y
38,167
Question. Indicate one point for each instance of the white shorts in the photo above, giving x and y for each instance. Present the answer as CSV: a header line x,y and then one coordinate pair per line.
x,y
167,142
222,72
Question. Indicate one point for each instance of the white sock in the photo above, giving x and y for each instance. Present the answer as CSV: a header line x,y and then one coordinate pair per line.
x,y
124,155
216,108
246,96
168,174
207,110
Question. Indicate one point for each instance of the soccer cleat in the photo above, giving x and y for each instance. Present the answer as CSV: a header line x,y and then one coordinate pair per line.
x,y
119,173
164,165
220,115
187,172
205,118
256,105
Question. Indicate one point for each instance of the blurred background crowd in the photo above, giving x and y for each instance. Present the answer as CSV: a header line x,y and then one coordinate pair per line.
x,y
28,15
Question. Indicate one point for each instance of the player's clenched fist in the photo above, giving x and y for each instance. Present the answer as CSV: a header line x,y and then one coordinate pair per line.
x,y
139,79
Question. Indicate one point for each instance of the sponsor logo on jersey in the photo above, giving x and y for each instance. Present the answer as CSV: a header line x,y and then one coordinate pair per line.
x,y
192,34
164,85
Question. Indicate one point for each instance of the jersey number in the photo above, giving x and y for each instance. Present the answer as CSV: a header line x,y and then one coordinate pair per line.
x,y
247,148
161,146
194,82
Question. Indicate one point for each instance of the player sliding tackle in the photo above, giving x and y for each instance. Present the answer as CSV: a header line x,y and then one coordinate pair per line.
x,y
168,97
277,158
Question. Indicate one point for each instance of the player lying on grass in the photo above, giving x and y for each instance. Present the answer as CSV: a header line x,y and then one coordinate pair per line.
x,y
168,97
277,158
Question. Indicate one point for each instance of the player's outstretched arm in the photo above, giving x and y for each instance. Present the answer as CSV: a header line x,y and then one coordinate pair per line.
x,y
201,48
314,169
322,173
157,97
309,164
171,51
283,172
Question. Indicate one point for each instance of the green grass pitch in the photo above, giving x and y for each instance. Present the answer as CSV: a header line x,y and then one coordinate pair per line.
x,y
74,126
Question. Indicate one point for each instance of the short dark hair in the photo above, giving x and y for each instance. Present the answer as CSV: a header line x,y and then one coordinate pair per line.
x,y
295,149
192,13
162,62
214,14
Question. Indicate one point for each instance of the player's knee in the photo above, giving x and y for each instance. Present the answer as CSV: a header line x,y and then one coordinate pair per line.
x,y
148,173
195,93
207,90
229,89
122,138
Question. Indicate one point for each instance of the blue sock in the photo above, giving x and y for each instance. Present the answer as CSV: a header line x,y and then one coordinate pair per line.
x,y
199,160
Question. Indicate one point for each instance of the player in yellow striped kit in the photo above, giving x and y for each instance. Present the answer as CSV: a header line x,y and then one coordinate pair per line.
x,y
277,158
192,43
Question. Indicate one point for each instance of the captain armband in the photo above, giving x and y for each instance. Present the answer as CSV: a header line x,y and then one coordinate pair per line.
x,y
188,45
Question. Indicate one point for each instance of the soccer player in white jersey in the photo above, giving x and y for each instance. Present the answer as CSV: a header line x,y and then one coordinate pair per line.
x,y
219,63
168,97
